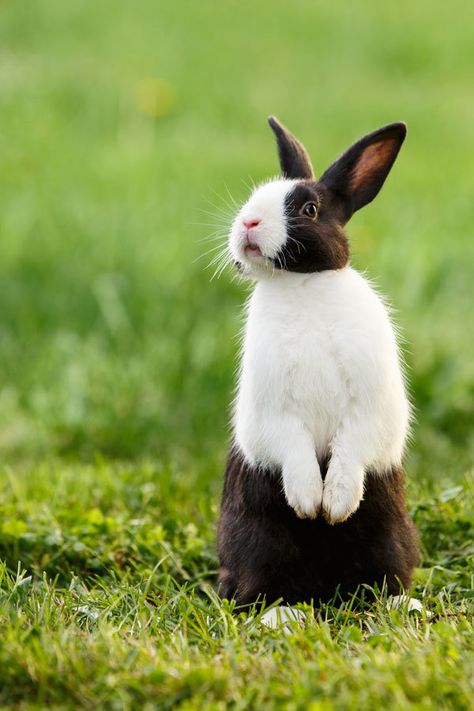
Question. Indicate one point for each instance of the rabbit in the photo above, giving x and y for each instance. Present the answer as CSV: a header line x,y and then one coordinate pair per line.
x,y
313,502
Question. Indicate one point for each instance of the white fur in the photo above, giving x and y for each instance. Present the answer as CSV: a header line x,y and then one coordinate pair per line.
x,y
267,205
320,374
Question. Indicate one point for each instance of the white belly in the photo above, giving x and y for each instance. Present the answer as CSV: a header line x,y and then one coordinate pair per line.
x,y
317,346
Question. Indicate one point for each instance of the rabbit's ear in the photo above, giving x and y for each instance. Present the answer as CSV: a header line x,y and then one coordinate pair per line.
x,y
357,176
294,161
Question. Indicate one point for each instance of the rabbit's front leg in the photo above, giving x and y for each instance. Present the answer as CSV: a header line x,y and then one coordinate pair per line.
x,y
344,481
343,488
301,475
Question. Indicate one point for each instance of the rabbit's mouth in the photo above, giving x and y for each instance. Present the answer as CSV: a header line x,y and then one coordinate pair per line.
x,y
253,250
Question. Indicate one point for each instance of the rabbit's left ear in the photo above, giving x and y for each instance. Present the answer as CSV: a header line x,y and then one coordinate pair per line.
x,y
357,176
294,161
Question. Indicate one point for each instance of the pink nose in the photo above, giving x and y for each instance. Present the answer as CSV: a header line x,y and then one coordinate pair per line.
x,y
251,223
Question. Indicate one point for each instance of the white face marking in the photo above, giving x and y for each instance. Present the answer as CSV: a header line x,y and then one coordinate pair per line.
x,y
259,229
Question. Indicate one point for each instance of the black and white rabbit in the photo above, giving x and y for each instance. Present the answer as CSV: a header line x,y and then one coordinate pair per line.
x,y
313,501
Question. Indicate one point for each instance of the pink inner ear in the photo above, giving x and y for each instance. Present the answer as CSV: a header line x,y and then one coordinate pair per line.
x,y
375,157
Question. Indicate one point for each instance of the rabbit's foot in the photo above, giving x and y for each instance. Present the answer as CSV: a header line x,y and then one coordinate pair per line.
x,y
304,488
343,491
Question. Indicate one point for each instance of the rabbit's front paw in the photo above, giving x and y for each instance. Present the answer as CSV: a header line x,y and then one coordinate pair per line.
x,y
304,490
343,492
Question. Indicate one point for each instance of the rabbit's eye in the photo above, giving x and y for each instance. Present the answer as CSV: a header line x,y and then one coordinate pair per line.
x,y
310,210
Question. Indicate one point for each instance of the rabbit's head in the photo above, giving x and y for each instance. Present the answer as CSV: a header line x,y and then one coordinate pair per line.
x,y
296,223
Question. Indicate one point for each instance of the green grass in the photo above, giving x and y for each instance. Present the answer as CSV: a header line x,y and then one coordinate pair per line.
x,y
117,353
114,607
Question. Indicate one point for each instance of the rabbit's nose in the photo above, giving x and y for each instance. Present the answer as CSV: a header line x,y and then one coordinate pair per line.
x,y
251,223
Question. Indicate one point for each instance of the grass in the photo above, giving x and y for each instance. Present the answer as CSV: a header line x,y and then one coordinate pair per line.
x,y
113,607
121,124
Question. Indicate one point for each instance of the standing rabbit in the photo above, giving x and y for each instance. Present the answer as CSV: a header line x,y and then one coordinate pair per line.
x,y
313,501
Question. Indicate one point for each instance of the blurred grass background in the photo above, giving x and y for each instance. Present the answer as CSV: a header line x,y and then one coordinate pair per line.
x,y
122,122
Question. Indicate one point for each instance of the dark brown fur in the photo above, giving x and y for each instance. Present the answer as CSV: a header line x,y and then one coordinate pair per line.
x,y
313,245
266,550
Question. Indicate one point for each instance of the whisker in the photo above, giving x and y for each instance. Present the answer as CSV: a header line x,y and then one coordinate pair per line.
x,y
222,265
217,258
252,185
230,206
208,224
213,237
299,244
209,251
224,217
233,201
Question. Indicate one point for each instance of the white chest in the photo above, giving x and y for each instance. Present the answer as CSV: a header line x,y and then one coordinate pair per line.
x,y
314,346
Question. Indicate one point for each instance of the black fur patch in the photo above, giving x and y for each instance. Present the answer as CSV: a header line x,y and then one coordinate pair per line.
x,y
313,245
266,550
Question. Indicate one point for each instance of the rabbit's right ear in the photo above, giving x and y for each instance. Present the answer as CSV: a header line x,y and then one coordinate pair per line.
x,y
294,161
